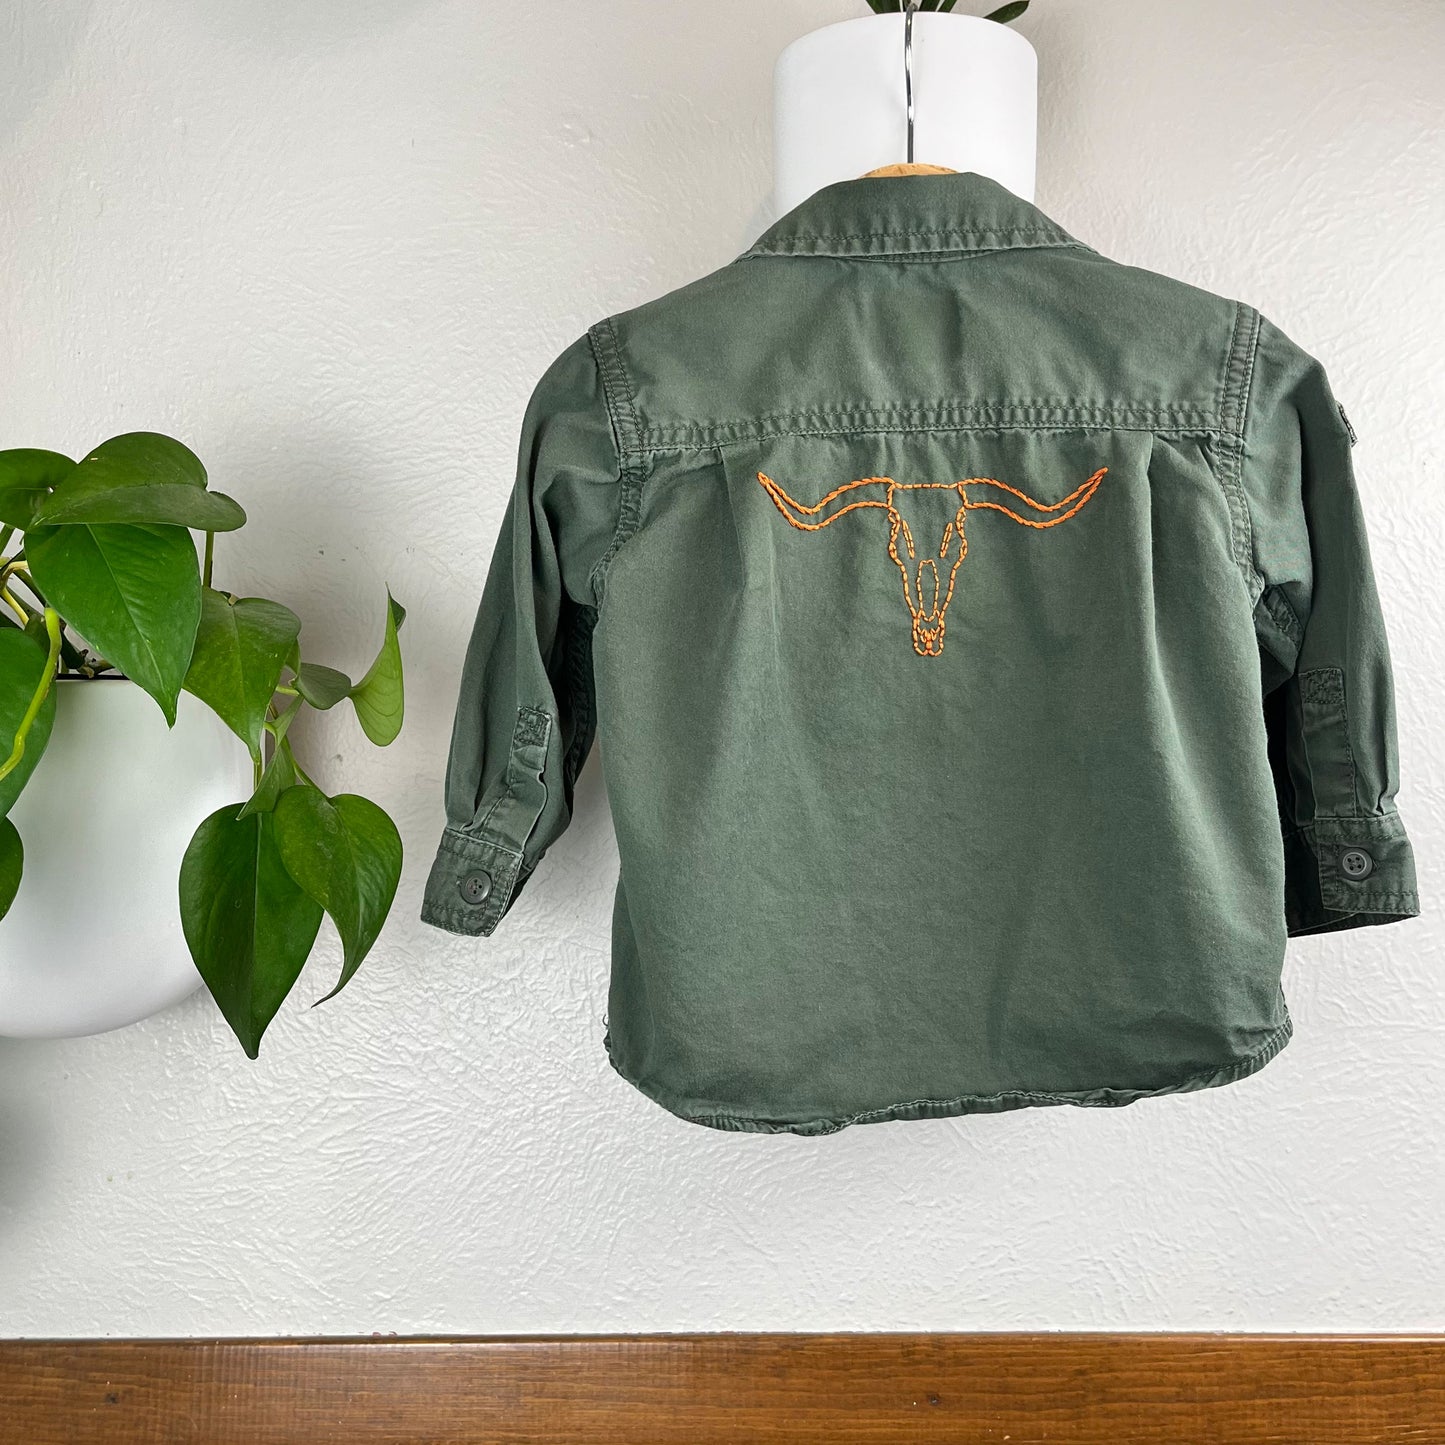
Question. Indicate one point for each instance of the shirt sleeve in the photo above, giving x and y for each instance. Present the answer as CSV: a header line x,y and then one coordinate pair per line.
x,y
524,720
1328,687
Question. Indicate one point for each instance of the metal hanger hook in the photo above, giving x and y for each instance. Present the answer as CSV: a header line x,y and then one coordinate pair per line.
x,y
908,11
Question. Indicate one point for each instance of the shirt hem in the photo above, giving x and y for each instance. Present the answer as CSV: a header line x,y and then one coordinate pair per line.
x,y
967,1103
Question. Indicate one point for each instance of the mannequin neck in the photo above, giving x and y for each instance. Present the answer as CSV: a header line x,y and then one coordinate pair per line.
x,y
840,102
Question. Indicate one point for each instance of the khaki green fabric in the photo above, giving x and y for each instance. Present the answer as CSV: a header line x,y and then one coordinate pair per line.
x,y
983,650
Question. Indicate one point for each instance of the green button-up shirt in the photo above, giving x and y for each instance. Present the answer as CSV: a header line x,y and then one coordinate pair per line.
x,y
982,644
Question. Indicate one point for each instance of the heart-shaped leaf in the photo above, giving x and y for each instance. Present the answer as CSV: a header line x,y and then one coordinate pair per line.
x,y
248,925
26,478
23,662
346,854
12,864
133,593
241,647
379,696
143,478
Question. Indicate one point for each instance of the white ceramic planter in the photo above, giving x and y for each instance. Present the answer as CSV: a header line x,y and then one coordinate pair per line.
x,y
94,939
839,108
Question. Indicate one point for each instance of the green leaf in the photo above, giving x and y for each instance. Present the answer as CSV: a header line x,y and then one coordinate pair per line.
x,y
1005,13
147,456
346,854
278,775
322,687
23,662
133,593
12,864
241,647
249,927
141,477
379,696
156,505
26,478
280,770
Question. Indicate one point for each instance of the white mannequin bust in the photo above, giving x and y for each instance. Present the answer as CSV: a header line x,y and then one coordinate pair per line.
x,y
840,111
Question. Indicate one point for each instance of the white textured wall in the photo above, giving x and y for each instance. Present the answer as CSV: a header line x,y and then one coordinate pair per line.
x,y
332,245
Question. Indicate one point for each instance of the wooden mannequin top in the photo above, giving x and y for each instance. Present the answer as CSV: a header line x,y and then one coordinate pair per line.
x,y
909,168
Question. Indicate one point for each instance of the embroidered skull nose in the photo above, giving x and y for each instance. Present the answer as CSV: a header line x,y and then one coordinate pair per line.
x,y
928,581
928,596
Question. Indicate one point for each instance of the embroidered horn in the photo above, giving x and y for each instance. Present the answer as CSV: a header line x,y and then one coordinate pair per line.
x,y
1042,512
867,492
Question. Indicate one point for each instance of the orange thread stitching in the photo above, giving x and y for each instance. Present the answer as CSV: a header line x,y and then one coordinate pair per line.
x,y
928,622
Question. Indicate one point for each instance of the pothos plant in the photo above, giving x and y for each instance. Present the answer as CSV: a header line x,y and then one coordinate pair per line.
x,y
101,575
1003,14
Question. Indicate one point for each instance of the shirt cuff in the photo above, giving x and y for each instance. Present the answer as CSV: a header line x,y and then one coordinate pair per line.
x,y
471,884
1349,873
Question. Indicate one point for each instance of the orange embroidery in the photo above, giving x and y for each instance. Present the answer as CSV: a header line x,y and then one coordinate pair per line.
x,y
924,589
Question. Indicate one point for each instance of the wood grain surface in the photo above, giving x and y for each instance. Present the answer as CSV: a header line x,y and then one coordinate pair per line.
x,y
1023,1389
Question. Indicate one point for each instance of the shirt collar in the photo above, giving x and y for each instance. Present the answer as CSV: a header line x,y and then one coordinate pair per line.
x,y
960,213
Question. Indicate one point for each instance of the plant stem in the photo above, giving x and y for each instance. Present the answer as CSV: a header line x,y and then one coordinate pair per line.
x,y
70,658
52,631
5,537
11,567
15,567
300,771
21,573
210,558
9,598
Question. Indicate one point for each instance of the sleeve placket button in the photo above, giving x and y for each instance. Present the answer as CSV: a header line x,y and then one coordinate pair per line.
x,y
1356,864
475,887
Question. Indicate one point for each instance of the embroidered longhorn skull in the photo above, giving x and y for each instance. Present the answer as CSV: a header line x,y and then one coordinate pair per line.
x,y
926,589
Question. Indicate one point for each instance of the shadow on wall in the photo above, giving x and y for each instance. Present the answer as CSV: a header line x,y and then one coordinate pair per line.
x,y
20,1149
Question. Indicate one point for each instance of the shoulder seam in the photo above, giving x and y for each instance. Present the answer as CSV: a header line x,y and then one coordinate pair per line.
x,y
1235,384
1239,367
631,455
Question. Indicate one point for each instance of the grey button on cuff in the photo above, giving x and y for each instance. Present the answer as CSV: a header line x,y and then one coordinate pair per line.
x,y
1356,864
471,884
1366,865
475,887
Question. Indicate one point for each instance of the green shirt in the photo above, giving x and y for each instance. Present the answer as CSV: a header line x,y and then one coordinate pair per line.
x,y
983,650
